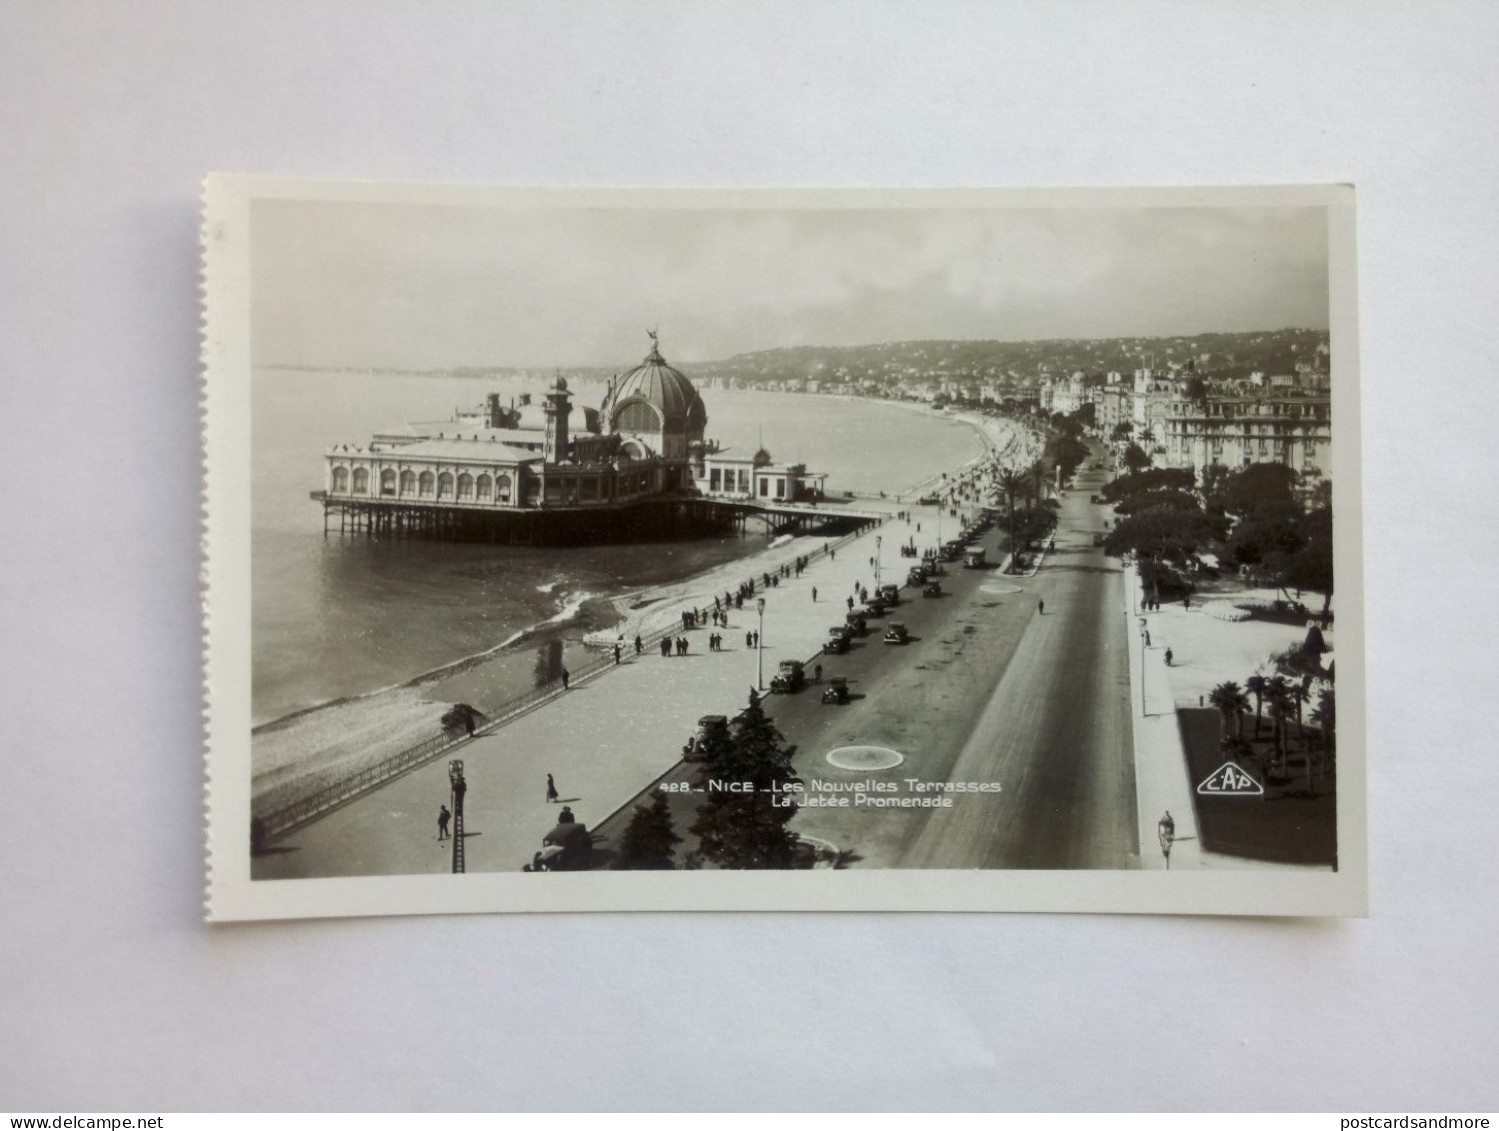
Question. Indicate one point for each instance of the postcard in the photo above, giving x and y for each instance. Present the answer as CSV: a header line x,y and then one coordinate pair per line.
x,y
819,549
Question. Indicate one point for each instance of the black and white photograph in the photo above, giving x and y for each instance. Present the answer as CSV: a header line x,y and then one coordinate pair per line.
x,y
715,533
832,556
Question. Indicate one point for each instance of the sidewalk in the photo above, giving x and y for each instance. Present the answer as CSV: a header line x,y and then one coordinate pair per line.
x,y
1161,782
603,741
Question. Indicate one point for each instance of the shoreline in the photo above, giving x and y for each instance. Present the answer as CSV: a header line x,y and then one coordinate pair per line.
x,y
308,747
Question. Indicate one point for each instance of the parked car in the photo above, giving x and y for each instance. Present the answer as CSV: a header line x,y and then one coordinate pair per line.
x,y
837,641
917,575
896,633
890,594
857,622
932,589
790,677
707,727
836,690
567,848
973,557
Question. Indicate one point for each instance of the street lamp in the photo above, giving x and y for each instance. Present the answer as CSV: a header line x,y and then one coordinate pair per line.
x,y
760,645
878,542
459,787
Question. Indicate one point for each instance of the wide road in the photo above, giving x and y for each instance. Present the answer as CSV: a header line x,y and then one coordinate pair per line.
x,y
989,690
1055,731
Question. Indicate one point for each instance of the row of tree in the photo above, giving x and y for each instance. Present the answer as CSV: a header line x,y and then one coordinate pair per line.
x,y
1283,700
1256,516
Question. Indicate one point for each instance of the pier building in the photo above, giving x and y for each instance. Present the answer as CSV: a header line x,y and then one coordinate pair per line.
x,y
636,468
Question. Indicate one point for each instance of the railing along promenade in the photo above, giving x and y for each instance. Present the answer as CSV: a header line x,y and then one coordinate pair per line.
x,y
292,815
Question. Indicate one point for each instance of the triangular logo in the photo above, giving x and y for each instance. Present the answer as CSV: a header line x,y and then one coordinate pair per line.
x,y
1231,779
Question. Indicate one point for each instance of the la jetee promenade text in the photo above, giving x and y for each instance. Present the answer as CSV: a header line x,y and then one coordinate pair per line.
x,y
817,793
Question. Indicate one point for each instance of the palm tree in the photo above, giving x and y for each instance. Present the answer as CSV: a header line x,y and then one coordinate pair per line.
x,y
1231,702
1278,695
1258,686
1300,694
1325,717
1237,750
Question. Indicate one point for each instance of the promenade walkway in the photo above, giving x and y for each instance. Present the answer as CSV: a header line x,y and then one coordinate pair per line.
x,y
604,740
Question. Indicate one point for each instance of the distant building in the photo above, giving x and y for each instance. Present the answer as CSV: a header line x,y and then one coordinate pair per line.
x,y
1293,428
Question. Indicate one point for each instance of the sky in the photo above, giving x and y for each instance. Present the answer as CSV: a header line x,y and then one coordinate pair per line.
x,y
419,286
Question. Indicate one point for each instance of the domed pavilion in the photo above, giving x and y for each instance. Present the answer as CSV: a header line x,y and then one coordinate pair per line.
x,y
655,409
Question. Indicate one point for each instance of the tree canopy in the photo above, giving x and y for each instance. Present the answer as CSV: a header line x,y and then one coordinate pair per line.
x,y
745,827
1258,486
1135,458
650,838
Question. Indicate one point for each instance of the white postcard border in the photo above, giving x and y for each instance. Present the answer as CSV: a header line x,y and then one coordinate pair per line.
x,y
232,895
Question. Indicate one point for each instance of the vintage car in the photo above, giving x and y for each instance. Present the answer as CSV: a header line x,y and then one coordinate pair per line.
x,y
896,633
836,690
973,557
790,676
837,641
917,575
857,622
951,551
932,589
707,727
890,594
567,848
875,606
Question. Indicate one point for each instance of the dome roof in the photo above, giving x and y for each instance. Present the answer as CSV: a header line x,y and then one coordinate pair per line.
x,y
665,388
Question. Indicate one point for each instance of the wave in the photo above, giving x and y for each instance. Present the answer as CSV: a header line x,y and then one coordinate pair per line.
x,y
571,606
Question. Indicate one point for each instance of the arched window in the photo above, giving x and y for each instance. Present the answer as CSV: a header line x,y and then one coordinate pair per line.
x,y
427,482
465,486
485,487
340,480
638,417
361,481
445,485
408,482
502,488
387,482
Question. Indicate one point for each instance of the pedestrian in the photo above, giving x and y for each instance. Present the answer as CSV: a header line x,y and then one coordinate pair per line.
x,y
639,647
749,639
566,817
814,594
1147,638
816,673
850,604
665,648
1041,607
1187,601
566,676
551,790
443,817
1168,657
616,653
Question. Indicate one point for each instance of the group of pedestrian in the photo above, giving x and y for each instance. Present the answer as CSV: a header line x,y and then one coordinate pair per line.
x,y
670,645
751,639
715,642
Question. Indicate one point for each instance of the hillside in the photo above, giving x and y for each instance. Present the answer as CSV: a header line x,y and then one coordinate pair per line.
x,y
1228,355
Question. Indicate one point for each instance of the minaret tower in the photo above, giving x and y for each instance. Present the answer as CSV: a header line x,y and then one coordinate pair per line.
x,y
558,408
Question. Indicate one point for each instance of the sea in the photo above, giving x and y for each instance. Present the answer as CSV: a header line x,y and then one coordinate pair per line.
x,y
338,618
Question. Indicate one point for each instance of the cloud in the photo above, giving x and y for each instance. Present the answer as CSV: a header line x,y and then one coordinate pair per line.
x,y
422,285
